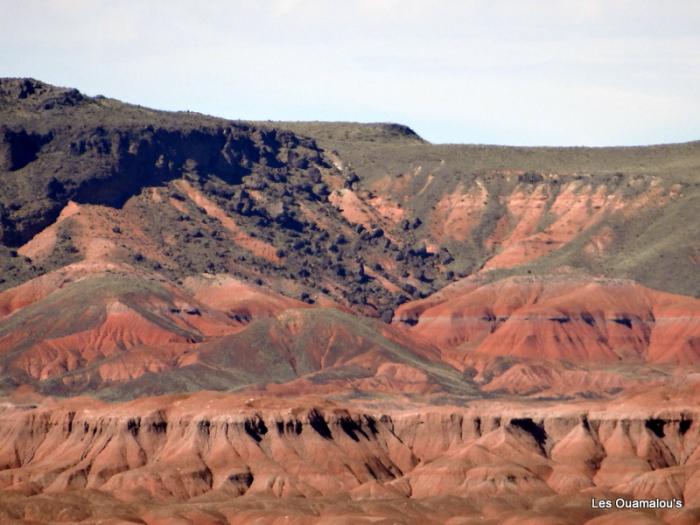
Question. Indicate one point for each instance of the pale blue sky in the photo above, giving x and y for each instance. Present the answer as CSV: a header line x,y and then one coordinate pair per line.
x,y
588,72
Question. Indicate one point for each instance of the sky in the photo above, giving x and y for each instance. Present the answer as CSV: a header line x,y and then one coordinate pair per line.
x,y
519,72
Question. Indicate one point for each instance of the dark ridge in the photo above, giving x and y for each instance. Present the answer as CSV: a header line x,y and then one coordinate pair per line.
x,y
380,471
19,147
370,470
656,426
204,426
535,430
159,427
318,423
38,95
134,426
398,130
206,475
138,166
684,426
71,417
243,478
530,177
562,319
241,317
372,425
624,321
352,429
255,428
588,319
19,88
109,154
373,132
586,424
294,426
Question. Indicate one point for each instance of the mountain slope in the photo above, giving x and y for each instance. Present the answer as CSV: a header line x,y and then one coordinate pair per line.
x,y
207,321
621,212
195,237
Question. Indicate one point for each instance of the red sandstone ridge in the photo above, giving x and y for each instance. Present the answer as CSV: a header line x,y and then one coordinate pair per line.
x,y
225,456
139,333
584,321
137,325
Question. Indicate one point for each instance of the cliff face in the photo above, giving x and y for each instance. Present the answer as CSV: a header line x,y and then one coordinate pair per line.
x,y
72,147
209,450
180,194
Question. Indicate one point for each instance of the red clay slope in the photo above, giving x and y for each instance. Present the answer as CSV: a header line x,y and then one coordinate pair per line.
x,y
597,320
87,327
86,313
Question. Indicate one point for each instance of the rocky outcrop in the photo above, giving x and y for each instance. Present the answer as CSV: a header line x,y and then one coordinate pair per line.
x,y
104,157
184,194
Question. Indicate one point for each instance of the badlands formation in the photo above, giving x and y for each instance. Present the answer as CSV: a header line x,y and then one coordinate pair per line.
x,y
218,322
